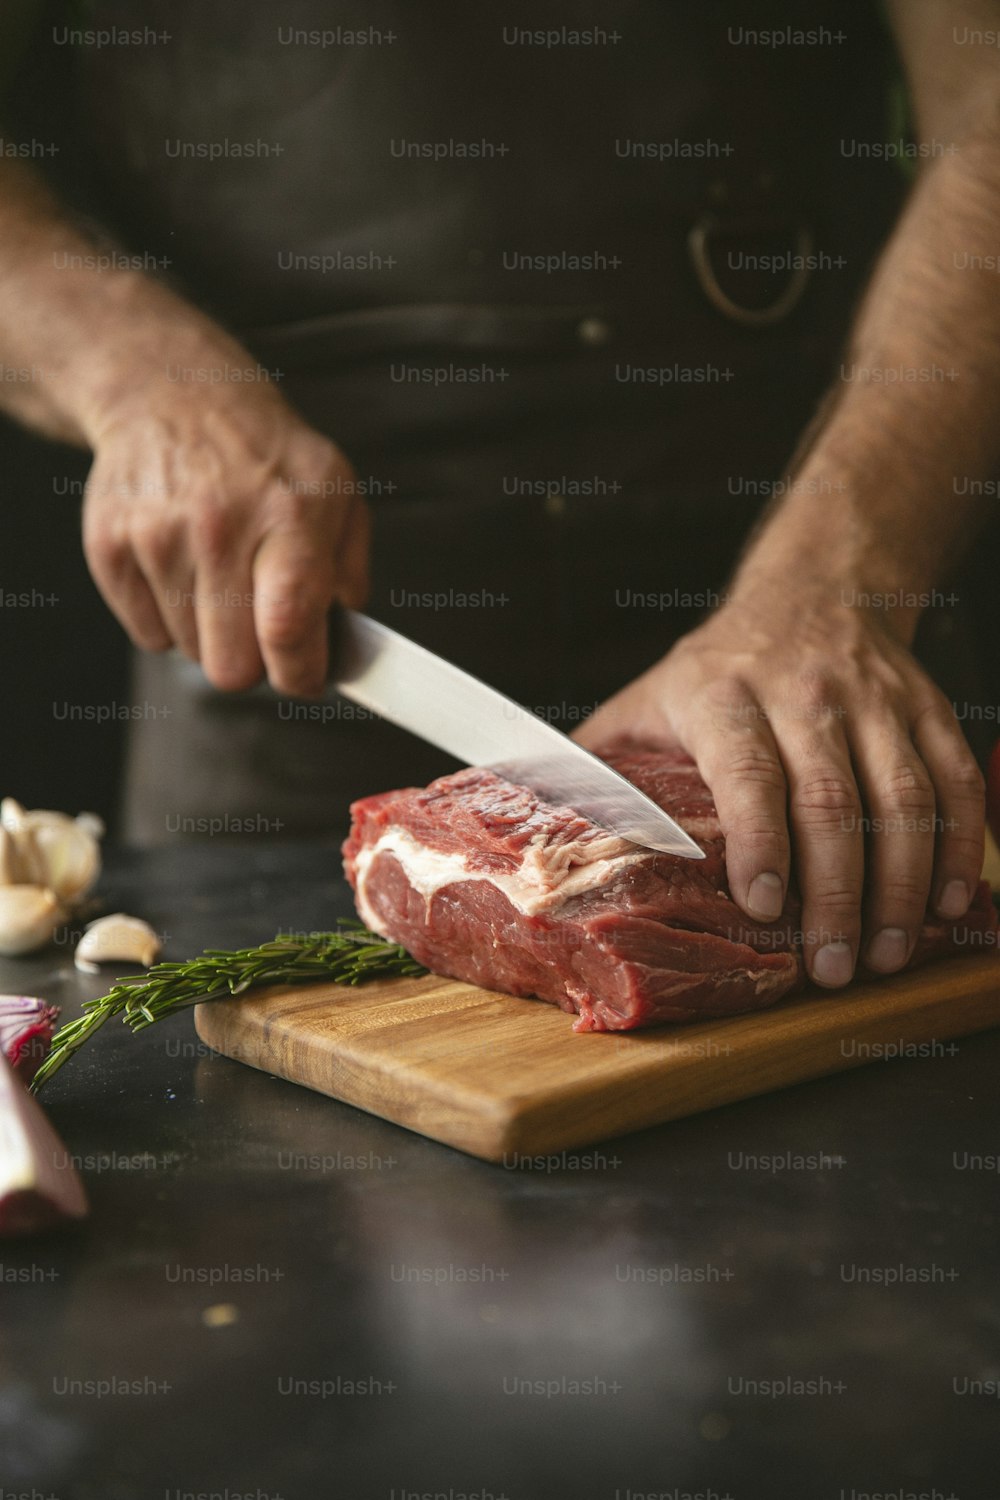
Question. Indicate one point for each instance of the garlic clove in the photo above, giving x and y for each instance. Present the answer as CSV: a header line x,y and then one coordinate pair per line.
x,y
11,814
52,849
114,938
32,863
91,823
68,854
28,918
10,861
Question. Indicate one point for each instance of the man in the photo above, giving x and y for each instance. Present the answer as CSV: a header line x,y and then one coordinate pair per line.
x,y
220,521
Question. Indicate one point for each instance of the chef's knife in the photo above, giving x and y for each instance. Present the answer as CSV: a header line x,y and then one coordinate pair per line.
x,y
422,692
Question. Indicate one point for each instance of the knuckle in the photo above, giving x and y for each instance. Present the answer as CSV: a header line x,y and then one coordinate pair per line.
x,y
729,694
300,585
817,692
105,549
296,509
933,707
964,776
889,684
213,532
828,801
155,543
836,893
901,891
754,764
878,694
908,786
313,453
834,915
964,849
758,833
286,628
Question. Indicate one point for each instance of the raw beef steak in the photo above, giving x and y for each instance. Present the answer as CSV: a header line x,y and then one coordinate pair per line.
x,y
481,881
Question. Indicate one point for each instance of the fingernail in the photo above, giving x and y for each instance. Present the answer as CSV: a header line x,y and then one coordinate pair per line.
x,y
766,896
833,965
888,950
954,899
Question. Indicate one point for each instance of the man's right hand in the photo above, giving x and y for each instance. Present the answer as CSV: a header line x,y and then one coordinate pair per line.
x,y
215,520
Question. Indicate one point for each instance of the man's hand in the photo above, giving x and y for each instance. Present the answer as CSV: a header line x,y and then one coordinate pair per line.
x,y
216,521
826,746
806,716
214,518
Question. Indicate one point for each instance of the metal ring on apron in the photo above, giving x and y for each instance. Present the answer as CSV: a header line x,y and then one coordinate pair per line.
x,y
699,246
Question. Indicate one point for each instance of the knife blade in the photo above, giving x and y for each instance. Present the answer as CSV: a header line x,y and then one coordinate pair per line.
x,y
422,692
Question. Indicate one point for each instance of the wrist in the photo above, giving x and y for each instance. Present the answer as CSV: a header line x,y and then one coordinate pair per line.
x,y
808,605
151,350
823,564
129,345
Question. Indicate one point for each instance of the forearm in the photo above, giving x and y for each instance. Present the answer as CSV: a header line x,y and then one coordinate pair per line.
x,y
78,334
884,493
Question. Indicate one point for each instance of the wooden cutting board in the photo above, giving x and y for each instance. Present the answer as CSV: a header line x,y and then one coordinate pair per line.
x,y
506,1079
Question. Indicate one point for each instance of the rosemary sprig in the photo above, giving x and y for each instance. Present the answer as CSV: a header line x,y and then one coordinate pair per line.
x,y
351,955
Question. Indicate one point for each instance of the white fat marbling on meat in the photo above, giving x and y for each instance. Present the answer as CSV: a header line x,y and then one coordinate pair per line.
x,y
549,873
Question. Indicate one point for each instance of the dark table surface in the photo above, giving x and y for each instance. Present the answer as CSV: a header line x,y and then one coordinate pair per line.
x,y
278,1295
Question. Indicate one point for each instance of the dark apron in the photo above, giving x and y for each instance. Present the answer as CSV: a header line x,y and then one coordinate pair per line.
x,y
557,523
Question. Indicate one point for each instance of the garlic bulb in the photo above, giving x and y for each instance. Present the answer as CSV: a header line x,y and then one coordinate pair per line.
x,y
118,937
28,918
48,862
49,849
